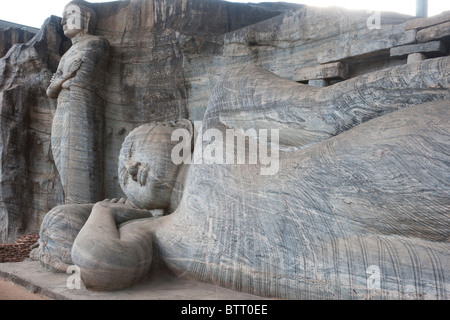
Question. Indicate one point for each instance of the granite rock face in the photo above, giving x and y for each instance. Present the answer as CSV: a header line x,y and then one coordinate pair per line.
x,y
360,167
30,184
358,213
154,46
145,83
11,36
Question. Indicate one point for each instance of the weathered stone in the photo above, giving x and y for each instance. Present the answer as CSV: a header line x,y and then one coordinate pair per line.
x,y
7,24
430,49
306,38
325,71
336,173
30,184
152,46
366,42
347,175
318,83
78,124
12,36
416,57
150,43
421,23
437,32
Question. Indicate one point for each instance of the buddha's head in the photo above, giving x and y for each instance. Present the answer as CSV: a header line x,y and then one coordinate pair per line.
x,y
147,173
78,19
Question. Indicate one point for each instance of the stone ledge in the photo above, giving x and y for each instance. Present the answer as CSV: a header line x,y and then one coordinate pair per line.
x,y
158,286
436,32
430,49
336,70
421,23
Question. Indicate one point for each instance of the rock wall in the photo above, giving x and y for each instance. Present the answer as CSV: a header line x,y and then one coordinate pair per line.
x,y
166,57
29,183
152,43
146,83
11,36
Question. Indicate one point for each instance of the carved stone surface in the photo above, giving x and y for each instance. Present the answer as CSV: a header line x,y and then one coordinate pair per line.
x,y
30,184
326,71
430,49
366,195
78,124
12,36
436,32
166,57
347,197
421,23
416,57
145,82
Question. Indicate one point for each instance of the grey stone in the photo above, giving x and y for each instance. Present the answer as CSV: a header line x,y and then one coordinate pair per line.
x,y
421,23
365,42
145,85
12,36
78,125
318,83
326,71
350,179
30,184
436,32
336,172
430,49
159,285
416,57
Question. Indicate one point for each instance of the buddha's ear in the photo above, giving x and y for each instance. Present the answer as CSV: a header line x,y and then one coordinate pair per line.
x,y
186,124
87,20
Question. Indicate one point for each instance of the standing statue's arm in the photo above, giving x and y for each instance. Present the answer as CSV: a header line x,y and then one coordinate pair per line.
x,y
94,58
59,78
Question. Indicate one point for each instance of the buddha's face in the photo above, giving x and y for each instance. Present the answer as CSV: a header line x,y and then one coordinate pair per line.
x,y
147,173
74,21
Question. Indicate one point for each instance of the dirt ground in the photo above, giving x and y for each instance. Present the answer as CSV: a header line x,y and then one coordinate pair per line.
x,y
10,291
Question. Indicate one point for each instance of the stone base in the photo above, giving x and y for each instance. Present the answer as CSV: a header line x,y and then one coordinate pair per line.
x,y
158,286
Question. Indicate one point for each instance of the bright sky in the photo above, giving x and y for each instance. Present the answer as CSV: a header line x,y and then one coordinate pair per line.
x,y
34,12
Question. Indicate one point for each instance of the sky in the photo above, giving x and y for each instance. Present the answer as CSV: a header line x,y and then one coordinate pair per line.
x,y
34,12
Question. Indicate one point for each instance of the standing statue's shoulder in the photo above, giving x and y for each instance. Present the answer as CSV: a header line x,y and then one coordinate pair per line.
x,y
98,43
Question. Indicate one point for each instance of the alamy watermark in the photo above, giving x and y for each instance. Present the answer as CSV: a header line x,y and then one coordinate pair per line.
x,y
374,277
74,281
235,147
374,20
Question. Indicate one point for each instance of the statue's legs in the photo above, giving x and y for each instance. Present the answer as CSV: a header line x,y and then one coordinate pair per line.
x,y
76,144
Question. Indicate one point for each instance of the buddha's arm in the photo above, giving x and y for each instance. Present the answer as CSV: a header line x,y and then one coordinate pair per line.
x,y
109,258
60,77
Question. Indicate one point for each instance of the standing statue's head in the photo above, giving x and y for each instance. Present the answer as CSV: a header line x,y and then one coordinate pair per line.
x,y
78,19
147,174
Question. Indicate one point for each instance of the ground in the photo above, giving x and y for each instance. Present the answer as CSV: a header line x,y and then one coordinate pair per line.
x,y
10,291
19,279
